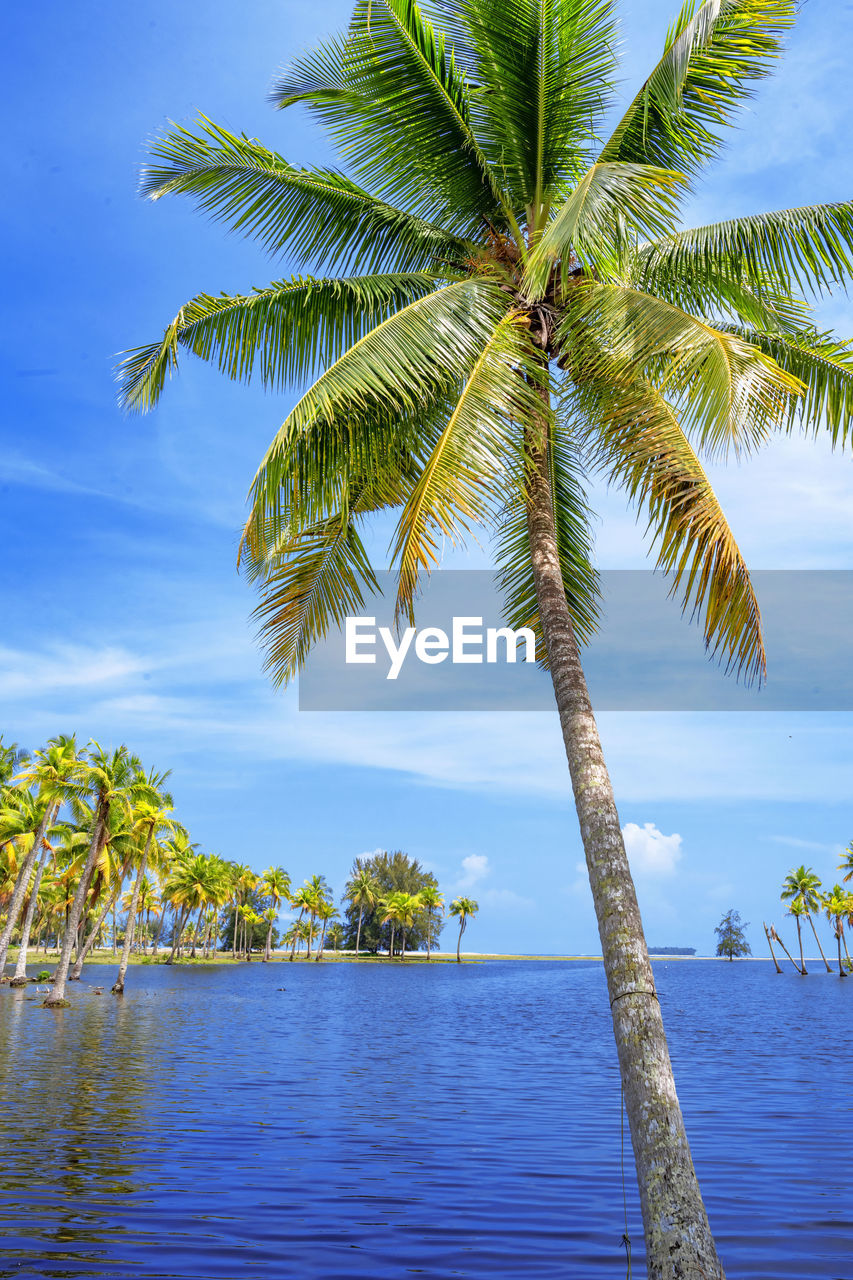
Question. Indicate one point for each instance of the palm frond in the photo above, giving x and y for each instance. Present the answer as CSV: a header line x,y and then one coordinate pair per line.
x,y
714,54
573,526
318,215
590,229
463,474
729,394
540,74
811,247
635,439
393,99
823,364
398,370
290,329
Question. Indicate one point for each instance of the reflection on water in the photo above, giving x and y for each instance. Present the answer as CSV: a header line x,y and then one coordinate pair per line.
x,y
382,1121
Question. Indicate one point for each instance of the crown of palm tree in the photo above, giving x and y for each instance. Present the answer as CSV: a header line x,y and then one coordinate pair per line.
x,y
510,292
801,887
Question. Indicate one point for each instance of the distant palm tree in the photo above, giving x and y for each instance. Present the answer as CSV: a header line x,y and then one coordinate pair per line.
x,y
51,773
326,912
112,778
432,902
151,815
275,884
802,885
837,906
362,891
847,863
464,908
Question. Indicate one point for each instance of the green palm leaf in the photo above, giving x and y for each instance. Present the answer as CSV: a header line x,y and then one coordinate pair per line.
x,y
400,368
394,75
464,468
291,328
541,73
729,393
590,228
811,247
824,366
714,53
316,214
635,439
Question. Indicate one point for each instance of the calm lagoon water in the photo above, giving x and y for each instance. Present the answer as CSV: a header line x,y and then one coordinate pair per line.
x,y
374,1122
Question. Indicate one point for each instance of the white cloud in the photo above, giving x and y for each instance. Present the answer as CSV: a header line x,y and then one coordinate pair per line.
x,y
649,850
508,900
474,869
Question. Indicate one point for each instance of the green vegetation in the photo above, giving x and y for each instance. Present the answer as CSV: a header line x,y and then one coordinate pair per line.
x,y
731,940
86,834
508,301
802,890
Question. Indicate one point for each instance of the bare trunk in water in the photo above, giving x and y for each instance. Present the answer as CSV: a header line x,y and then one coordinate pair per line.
x,y
57,996
679,1244
20,978
21,884
819,947
108,906
118,985
772,952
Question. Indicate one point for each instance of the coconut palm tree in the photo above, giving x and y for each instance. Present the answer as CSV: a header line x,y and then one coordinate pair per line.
x,y
112,780
326,912
362,891
837,907
192,883
432,902
335,935
797,909
464,908
517,304
50,773
151,816
275,884
802,885
847,863
407,906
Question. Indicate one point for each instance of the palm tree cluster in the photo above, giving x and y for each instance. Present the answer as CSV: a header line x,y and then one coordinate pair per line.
x,y
806,898
86,834
395,905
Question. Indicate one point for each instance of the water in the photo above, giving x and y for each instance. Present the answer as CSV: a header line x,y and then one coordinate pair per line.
x,y
381,1121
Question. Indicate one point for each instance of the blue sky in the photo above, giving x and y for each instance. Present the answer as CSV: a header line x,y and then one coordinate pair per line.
x,y
124,618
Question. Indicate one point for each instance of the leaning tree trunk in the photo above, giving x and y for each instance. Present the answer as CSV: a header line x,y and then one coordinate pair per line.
x,y
803,969
57,996
358,931
177,932
118,985
89,942
679,1244
21,884
841,972
819,947
459,940
775,935
772,952
20,978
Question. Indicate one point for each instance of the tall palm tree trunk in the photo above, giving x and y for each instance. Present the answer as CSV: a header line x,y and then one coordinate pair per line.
x,y
22,882
108,906
20,978
772,952
819,947
429,935
841,972
56,999
358,931
775,935
679,1243
177,934
459,940
803,969
118,985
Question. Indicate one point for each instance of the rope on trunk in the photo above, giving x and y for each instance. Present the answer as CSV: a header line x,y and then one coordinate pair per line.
x,y
634,991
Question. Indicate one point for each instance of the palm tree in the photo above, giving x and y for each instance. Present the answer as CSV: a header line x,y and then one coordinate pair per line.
x,y
389,913
432,901
463,908
336,935
193,881
847,863
775,936
275,884
518,306
797,910
407,907
50,773
802,886
325,912
362,891
112,779
152,814
837,906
